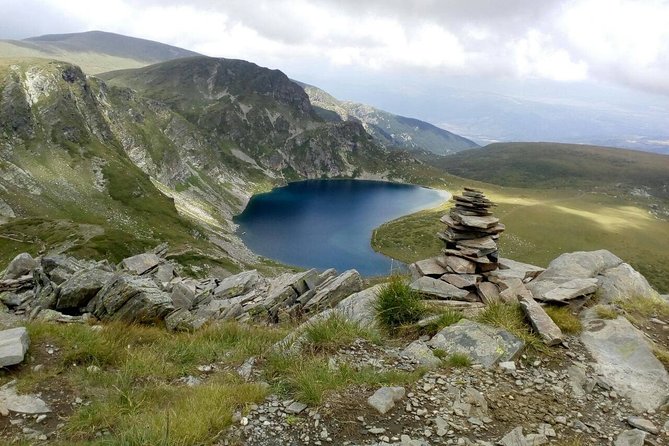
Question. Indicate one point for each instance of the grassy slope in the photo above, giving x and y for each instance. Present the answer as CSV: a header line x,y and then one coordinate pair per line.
x,y
94,51
543,223
127,216
548,165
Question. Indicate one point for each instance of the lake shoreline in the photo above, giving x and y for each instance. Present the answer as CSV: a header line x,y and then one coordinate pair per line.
x,y
393,206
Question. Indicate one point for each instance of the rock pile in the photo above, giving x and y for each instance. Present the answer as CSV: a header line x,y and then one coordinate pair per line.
x,y
467,275
470,273
147,287
471,234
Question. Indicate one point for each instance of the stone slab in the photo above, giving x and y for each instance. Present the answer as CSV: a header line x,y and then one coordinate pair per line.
x,y
14,344
430,267
439,289
484,344
625,361
549,332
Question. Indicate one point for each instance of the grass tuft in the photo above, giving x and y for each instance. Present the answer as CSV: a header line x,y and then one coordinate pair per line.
x,y
605,311
662,354
329,335
459,360
645,306
309,379
511,318
564,319
398,305
446,318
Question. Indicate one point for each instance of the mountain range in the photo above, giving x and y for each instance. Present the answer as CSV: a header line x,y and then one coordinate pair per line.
x,y
171,145
112,164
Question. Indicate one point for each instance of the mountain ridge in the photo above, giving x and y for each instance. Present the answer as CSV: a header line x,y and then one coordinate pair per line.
x,y
388,129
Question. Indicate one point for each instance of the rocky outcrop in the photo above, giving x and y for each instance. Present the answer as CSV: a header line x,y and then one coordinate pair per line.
x,y
132,300
80,288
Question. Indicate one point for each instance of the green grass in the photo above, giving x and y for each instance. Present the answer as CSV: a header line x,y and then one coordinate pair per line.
x,y
398,305
459,360
662,354
310,378
645,306
134,395
565,319
445,318
605,311
511,318
542,224
335,332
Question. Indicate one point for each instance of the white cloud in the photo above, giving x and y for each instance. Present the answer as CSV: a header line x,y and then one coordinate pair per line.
x,y
623,41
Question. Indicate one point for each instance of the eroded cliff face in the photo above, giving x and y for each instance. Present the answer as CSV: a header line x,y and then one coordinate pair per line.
x,y
170,151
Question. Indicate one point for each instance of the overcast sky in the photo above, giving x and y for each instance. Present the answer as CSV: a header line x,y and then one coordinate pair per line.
x,y
561,50
620,41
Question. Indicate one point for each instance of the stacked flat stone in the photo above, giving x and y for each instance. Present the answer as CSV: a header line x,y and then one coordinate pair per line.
x,y
471,234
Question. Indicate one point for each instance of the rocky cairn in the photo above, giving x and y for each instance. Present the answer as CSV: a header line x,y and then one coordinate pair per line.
x,y
470,273
471,234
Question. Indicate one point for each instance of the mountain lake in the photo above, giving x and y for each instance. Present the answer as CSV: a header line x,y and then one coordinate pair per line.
x,y
329,223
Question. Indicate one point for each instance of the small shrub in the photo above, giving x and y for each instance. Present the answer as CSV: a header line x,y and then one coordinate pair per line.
x,y
565,319
605,312
459,360
398,305
511,318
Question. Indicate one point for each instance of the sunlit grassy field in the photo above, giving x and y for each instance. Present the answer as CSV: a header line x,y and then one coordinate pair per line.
x,y
542,224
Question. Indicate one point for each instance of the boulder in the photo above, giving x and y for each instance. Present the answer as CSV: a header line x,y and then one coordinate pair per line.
x,y
562,292
549,332
182,320
59,267
582,264
430,267
80,288
141,263
131,299
643,424
421,353
13,346
439,289
512,268
183,295
514,438
623,282
632,437
625,361
385,398
20,265
359,307
331,293
483,344
165,273
512,289
238,284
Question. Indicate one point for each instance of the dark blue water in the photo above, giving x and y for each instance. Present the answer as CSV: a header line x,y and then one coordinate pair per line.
x,y
328,223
